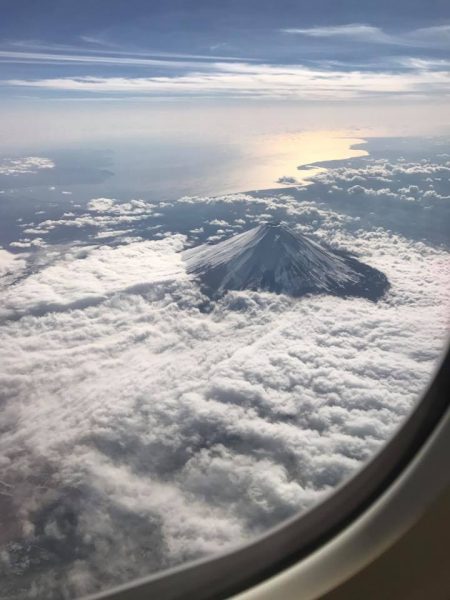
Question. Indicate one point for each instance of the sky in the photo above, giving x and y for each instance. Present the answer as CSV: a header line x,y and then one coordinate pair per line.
x,y
319,51
72,72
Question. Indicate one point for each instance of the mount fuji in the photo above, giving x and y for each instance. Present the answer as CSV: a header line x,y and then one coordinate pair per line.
x,y
274,258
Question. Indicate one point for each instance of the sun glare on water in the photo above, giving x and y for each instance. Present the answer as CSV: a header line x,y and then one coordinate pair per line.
x,y
286,160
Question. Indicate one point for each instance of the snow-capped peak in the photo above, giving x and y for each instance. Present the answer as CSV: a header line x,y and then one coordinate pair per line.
x,y
275,258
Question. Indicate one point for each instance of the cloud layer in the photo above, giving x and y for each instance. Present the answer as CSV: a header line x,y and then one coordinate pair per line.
x,y
308,63
243,79
144,426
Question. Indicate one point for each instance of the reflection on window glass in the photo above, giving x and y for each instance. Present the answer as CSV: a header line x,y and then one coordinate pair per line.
x,y
224,271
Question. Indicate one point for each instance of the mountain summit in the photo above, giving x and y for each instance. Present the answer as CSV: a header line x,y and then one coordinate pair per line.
x,y
274,258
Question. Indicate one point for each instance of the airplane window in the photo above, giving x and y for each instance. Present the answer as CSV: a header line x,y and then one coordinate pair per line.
x,y
224,271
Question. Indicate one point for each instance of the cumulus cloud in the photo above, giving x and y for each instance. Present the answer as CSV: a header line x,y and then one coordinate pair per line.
x,y
28,164
288,180
101,214
144,425
10,263
408,197
100,204
86,275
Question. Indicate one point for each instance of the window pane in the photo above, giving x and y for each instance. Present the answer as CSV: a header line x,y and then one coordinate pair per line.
x,y
224,272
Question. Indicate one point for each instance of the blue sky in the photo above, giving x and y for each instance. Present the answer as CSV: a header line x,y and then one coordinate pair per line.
x,y
247,49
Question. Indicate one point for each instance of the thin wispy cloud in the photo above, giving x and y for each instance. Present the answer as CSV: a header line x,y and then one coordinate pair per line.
x,y
175,61
243,80
25,51
354,31
49,58
97,41
327,76
359,32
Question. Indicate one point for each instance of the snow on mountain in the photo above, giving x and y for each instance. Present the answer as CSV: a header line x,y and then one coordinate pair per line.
x,y
275,258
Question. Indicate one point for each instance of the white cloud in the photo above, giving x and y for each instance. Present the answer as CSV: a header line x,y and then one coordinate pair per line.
x,y
35,53
100,204
28,243
102,213
436,36
409,197
10,263
83,276
219,222
244,79
9,56
28,164
112,233
353,31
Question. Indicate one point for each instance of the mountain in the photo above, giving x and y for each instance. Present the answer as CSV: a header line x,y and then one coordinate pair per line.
x,y
275,258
